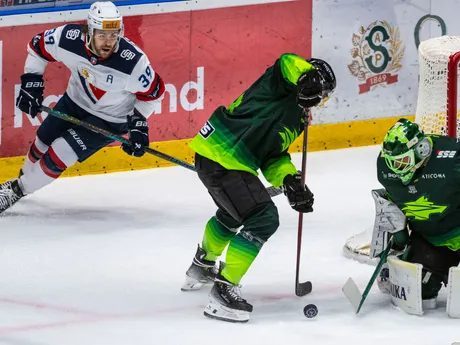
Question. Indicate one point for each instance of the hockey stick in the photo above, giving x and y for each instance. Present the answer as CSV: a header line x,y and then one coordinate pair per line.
x,y
351,290
272,191
302,289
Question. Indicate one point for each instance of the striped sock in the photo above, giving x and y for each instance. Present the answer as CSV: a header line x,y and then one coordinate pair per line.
x,y
240,255
215,239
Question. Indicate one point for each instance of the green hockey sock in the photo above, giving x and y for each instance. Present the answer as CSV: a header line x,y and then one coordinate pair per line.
x,y
240,255
215,239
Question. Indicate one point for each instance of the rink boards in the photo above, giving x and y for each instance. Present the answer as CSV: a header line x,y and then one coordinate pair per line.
x,y
208,53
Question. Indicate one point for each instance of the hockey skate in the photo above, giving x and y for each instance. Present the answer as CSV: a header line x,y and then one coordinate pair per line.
x,y
383,280
226,303
200,273
10,193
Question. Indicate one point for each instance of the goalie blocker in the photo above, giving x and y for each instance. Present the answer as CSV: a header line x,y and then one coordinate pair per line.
x,y
388,220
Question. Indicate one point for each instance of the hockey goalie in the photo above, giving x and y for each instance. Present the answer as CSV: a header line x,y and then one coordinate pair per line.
x,y
418,215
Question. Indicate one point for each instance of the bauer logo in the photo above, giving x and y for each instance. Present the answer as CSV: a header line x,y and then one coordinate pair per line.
x,y
377,55
77,139
206,130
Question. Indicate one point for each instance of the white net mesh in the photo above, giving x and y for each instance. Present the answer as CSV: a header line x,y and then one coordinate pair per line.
x,y
434,55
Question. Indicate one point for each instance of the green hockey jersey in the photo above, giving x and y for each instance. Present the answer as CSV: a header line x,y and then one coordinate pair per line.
x,y
256,130
431,201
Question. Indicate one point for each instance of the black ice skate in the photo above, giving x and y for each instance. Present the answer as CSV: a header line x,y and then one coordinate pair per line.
x,y
10,193
226,303
201,272
383,280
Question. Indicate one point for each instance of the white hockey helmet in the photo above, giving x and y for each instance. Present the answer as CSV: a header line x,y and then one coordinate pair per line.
x,y
104,15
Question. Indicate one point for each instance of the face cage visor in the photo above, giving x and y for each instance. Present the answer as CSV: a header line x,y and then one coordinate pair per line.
x,y
400,164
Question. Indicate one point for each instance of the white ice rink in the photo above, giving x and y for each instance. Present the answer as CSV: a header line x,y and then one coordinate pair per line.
x,y
100,260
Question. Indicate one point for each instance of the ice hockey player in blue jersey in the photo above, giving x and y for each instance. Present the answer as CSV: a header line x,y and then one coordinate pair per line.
x,y
112,86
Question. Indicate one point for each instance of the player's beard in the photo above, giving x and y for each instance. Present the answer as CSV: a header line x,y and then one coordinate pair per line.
x,y
105,51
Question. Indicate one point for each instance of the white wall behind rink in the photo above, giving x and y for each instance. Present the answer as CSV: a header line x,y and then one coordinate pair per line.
x,y
335,23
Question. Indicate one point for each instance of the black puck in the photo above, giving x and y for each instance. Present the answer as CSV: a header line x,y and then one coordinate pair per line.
x,y
310,311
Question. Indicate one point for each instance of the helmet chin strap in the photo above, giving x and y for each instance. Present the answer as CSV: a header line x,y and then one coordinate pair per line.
x,y
89,45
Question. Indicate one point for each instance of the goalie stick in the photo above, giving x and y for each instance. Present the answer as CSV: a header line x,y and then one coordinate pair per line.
x,y
302,289
272,191
351,290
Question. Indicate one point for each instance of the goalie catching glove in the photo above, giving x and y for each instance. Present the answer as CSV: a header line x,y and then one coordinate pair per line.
x,y
299,196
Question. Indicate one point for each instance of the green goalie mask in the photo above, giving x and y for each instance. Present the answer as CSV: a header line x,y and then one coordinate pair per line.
x,y
405,148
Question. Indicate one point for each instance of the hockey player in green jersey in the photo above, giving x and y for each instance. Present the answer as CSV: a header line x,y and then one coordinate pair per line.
x,y
421,179
253,133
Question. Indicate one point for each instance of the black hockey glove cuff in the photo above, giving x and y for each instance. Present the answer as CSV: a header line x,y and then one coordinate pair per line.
x,y
138,131
309,89
30,96
300,197
328,80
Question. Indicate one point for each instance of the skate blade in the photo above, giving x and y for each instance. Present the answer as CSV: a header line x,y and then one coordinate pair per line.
x,y
192,284
384,286
217,311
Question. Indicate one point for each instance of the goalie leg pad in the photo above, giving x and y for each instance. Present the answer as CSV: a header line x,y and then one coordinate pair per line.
x,y
453,293
436,262
406,285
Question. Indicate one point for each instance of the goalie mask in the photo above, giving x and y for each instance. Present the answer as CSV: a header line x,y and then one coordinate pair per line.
x,y
104,16
405,148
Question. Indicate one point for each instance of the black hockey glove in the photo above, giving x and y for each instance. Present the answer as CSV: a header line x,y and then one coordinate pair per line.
x,y
328,80
315,85
138,131
309,89
31,94
300,197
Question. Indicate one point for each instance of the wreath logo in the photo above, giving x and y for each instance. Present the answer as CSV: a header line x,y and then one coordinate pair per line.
x,y
377,52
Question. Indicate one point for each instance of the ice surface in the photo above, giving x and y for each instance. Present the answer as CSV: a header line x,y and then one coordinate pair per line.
x,y
101,259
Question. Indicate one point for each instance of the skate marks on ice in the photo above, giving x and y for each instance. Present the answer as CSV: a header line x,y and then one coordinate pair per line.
x,y
89,219
269,307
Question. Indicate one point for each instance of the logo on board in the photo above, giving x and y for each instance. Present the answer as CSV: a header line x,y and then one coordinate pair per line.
x,y
377,55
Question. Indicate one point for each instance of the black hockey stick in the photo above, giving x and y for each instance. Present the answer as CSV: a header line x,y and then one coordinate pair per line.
x,y
272,191
302,289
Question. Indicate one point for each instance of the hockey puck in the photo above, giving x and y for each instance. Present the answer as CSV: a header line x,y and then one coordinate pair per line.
x,y
310,311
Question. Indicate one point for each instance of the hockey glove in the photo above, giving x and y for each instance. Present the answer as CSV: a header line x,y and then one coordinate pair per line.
x,y
328,80
31,94
389,219
309,89
300,197
138,131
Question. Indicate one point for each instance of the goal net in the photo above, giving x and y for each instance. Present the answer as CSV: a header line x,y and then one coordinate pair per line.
x,y
436,110
438,85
